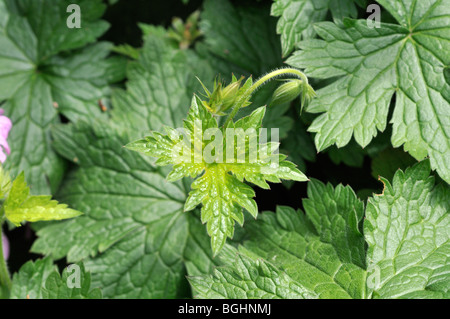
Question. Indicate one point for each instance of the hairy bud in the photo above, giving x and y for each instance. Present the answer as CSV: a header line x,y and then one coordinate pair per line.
x,y
287,92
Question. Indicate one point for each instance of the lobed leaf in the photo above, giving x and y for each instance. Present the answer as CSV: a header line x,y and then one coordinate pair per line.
x,y
40,279
46,69
247,278
324,252
297,18
407,230
372,64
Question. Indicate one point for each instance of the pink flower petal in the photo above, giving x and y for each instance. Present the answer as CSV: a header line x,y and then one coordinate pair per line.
x,y
5,126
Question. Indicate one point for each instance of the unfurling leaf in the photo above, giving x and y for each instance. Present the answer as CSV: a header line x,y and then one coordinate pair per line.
x,y
223,165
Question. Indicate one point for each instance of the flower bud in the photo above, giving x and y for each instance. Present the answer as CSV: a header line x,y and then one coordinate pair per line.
x,y
222,98
229,94
287,92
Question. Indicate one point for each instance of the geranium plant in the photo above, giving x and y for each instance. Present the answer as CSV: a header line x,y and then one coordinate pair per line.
x,y
321,127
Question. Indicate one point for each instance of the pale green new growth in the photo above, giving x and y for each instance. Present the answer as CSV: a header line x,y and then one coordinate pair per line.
x,y
221,188
20,206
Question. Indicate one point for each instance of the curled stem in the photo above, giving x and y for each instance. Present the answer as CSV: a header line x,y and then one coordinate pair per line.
x,y
260,82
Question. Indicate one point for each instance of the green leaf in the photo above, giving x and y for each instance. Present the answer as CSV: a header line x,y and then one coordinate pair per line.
x,y
337,213
21,206
227,29
40,279
407,230
138,207
5,183
198,258
247,278
222,195
130,210
324,251
297,17
133,218
277,117
127,50
288,242
374,63
28,282
65,286
47,68
256,55
159,88
174,148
